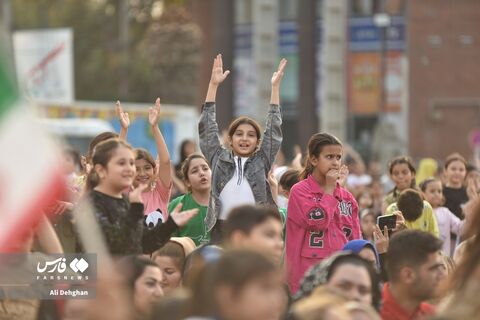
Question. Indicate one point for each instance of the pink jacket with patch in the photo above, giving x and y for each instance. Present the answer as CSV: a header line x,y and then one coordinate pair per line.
x,y
318,225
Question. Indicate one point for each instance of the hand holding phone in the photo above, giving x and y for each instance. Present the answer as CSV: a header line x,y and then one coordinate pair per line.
x,y
389,221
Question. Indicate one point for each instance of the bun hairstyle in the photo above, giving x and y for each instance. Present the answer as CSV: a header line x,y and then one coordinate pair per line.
x,y
102,153
315,146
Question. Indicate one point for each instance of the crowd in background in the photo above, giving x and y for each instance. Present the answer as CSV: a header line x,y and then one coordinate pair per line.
x,y
233,231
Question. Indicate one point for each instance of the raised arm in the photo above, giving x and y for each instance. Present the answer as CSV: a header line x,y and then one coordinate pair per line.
x,y
124,120
218,76
207,125
272,137
164,170
276,81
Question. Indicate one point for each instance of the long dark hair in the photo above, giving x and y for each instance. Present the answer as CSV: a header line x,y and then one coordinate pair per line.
x,y
315,146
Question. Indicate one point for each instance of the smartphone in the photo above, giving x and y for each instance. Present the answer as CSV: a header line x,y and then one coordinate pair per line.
x,y
389,220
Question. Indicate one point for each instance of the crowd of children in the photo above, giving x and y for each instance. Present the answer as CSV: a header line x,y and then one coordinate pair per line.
x,y
230,234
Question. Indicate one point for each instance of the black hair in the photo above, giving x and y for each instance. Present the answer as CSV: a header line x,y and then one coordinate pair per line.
x,y
315,146
409,248
245,218
410,203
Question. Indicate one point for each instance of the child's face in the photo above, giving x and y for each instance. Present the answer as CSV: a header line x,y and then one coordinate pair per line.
x,y
265,237
244,140
434,194
365,200
474,176
367,223
455,173
199,175
402,176
120,170
145,172
330,158
262,298
172,275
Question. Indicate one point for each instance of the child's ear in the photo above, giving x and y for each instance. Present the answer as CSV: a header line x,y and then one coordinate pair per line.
x,y
313,160
100,170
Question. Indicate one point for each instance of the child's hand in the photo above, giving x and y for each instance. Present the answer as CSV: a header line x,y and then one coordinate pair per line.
x,y
400,225
342,175
331,179
154,113
381,239
217,71
278,75
297,161
181,218
122,116
472,190
272,181
135,196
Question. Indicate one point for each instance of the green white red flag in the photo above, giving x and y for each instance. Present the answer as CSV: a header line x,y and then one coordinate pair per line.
x,y
30,173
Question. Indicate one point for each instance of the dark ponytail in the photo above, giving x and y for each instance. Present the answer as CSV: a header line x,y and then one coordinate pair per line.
x,y
315,146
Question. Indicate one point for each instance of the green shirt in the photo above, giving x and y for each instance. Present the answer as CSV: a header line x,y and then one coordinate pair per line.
x,y
195,228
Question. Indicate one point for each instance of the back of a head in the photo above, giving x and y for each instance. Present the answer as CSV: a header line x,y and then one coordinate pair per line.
x,y
410,203
99,138
409,248
322,303
237,267
245,218
289,178
234,269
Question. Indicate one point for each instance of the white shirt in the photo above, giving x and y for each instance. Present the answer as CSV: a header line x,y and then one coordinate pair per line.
x,y
237,191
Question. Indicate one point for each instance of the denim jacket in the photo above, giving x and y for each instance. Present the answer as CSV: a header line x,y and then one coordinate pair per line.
x,y
222,161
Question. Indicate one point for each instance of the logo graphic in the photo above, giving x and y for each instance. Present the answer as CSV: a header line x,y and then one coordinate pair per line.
x,y
79,265
316,214
58,265
345,208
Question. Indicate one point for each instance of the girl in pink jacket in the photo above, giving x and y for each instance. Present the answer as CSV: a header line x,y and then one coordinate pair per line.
x,y
322,216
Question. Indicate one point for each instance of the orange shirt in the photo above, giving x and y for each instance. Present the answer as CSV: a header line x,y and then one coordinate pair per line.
x,y
391,310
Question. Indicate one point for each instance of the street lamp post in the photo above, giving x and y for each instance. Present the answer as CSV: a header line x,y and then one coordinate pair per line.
x,y
382,21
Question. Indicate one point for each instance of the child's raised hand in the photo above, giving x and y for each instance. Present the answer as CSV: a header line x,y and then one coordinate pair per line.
x,y
135,196
218,75
278,75
122,116
154,113
181,218
472,190
381,239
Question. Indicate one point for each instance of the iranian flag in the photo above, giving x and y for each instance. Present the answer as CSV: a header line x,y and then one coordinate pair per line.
x,y
30,173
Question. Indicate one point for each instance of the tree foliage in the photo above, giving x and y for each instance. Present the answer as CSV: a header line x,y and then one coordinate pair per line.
x,y
160,59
